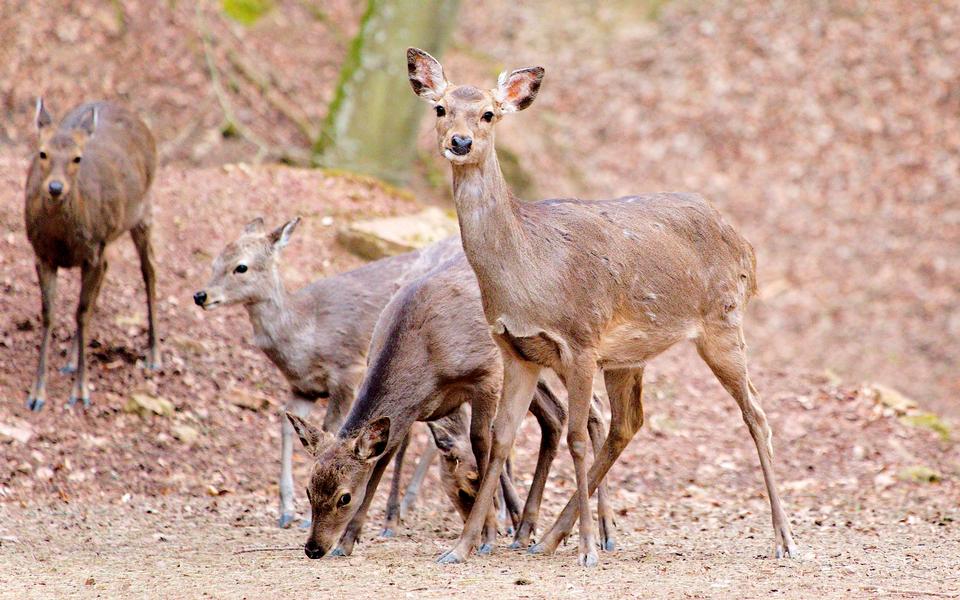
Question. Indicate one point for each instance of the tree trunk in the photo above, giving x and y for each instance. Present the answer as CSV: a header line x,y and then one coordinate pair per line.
x,y
371,126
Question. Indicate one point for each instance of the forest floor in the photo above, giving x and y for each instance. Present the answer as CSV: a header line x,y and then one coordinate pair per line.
x,y
100,502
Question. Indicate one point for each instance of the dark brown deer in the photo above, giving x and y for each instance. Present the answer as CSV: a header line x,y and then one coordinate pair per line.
x,y
317,336
86,186
578,285
430,353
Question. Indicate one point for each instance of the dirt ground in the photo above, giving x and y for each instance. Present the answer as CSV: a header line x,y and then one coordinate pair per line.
x,y
826,131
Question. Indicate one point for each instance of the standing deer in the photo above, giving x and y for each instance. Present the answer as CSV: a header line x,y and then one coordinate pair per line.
x,y
87,184
318,335
578,285
431,352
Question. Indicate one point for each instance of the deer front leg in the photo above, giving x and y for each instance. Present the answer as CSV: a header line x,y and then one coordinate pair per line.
x,y
90,281
47,276
352,533
596,425
301,408
141,239
519,381
392,520
579,382
413,489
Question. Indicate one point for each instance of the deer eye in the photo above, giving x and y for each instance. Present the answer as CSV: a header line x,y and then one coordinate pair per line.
x,y
43,155
343,500
240,269
441,111
76,159
487,116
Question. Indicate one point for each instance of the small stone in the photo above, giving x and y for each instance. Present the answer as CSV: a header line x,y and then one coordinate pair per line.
x,y
19,433
44,474
186,434
146,405
248,399
919,474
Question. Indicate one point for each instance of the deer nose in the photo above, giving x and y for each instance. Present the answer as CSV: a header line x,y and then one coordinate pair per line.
x,y
199,298
313,550
56,188
461,145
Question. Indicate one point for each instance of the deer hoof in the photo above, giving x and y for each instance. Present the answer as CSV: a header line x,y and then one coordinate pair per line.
x,y
286,519
68,369
450,557
304,524
74,399
388,533
790,551
516,545
338,551
35,404
485,549
537,549
609,545
589,559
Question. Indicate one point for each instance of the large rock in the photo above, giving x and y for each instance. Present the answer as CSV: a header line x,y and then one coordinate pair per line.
x,y
376,238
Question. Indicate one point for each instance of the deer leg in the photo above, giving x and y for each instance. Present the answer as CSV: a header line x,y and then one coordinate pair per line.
x,y
392,520
483,407
301,408
724,352
551,414
625,388
91,279
579,382
47,276
519,382
352,533
597,427
338,404
141,239
413,489
510,511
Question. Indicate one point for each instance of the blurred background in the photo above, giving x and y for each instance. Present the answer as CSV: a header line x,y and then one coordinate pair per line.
x,y
828,131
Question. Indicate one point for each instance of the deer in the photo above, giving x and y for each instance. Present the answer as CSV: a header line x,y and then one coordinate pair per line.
x,y
431,352
87,184
579,286
316,336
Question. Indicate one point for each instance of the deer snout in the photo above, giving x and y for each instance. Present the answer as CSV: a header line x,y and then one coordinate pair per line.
x,y
460,145
55,188
200,298
313,550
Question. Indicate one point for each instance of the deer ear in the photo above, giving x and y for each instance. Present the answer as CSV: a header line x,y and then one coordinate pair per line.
x,y
442,436
280,236
43,118
313,439
254,226
517,90
426,75
372,441
88,123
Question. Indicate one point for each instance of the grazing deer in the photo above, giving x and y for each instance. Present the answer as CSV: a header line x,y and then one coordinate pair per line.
x,y
579,285
318,335
87,185
431,352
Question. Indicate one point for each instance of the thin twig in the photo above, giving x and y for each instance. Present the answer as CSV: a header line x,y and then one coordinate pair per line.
x,y
267,549
879,589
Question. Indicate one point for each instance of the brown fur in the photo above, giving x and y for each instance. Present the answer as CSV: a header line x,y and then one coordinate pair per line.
x,y
104,158
577,285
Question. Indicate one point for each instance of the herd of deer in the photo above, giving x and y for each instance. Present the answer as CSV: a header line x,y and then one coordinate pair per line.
x,y
456,335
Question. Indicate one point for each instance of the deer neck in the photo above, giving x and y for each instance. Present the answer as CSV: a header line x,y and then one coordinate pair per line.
x,y
491,226
272,316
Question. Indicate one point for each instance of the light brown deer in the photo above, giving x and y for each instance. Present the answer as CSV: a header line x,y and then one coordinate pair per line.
x,y
430,353
579,285
87,185
317,336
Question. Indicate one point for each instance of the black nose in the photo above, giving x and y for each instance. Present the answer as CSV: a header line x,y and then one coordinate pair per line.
x,y
200,298
56,188
313,550
461,145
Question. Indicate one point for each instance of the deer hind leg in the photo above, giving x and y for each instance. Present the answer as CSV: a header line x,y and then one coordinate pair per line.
x,y
597,426
413,489
625,390
47,276
724,352
551,414
90,281
579,382
483,408
519,381
391,521
141,239
301,408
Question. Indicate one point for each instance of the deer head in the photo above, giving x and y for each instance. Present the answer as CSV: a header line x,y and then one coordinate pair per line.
x,y
246,272
338,478
466,114
59,154
458,474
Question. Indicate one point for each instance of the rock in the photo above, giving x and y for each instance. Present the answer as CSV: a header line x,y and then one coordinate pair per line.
x,y
186,434
929,421
376,238
146,405
893,399
44,474
248,399
21,432
919,474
